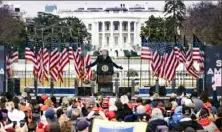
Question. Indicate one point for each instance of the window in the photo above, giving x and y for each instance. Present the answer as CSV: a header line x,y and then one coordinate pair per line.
x,y
124,39
116,26
107,40
100,26
131,26
116,40
89,26
125,26
107,26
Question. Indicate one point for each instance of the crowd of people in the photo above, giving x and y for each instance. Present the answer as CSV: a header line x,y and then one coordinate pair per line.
x,y
181,113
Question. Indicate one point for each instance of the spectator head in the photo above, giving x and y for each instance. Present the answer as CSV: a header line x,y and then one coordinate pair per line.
x,y
204,113
75,114
186,111
50,114
173,97
82,125
139,100
54,127
100,99
91,101
194,94
48,102
119,104
16,101
129,95
9,106
32,126
219,112
157,113
53,99
44,97
59,112
124,99
204,96
180,90
141,109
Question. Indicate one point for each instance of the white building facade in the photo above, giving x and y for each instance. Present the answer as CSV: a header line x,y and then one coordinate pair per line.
x,y
117,28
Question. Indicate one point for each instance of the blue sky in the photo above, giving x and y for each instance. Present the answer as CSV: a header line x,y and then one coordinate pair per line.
x,y
32,7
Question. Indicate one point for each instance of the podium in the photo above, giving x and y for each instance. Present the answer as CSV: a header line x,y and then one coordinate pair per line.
x,y
105,79
105,85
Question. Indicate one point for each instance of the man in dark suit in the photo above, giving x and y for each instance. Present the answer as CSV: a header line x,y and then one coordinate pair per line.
x,y
103,59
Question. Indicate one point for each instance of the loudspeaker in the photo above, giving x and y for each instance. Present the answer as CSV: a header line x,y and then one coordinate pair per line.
x,y
124,90
200,86
84,91
17,87
162,90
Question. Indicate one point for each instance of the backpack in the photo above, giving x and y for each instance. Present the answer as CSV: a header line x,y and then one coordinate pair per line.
x,y
162,128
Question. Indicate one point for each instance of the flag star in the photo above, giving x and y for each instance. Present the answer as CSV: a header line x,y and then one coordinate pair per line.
x,y
218,54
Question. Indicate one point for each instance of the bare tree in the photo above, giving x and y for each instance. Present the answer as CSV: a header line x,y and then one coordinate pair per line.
x,y
205,20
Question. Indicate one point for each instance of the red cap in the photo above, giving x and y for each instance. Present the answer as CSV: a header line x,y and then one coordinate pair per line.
x,y
207,105
148,108
110,115
44,96
95,109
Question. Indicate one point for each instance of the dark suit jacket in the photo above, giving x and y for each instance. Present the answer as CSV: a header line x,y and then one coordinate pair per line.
x,y
101,61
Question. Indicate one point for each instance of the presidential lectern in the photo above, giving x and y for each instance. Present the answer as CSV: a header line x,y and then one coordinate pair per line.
x,y
104,73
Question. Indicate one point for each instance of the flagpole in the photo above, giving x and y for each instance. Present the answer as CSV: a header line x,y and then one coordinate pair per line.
x,y
51,80
35,78
25,58
149,65
69,59
60,57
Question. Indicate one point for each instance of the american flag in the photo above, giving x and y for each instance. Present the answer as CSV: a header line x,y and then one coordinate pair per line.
x,y
179,51
88,72
146,52
54,61
171,63
79,63
29,55
189,60
196,49
71,52
201,62
64,60
11,57
156,58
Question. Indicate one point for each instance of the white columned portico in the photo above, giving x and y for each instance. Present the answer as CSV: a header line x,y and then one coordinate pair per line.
x,y
95,33
135,33
129,39
103,34
111,35
121,34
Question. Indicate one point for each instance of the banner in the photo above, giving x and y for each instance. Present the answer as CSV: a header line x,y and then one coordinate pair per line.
x,y
112,126
213,65
2,71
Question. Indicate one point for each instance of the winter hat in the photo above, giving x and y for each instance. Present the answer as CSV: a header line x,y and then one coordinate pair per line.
x,y
186,101
124,99
156,112
82,124
204,113
110,115
141,109
50,113
44,97
92,101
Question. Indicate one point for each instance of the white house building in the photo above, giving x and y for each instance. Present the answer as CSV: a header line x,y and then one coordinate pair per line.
x,y
117,28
